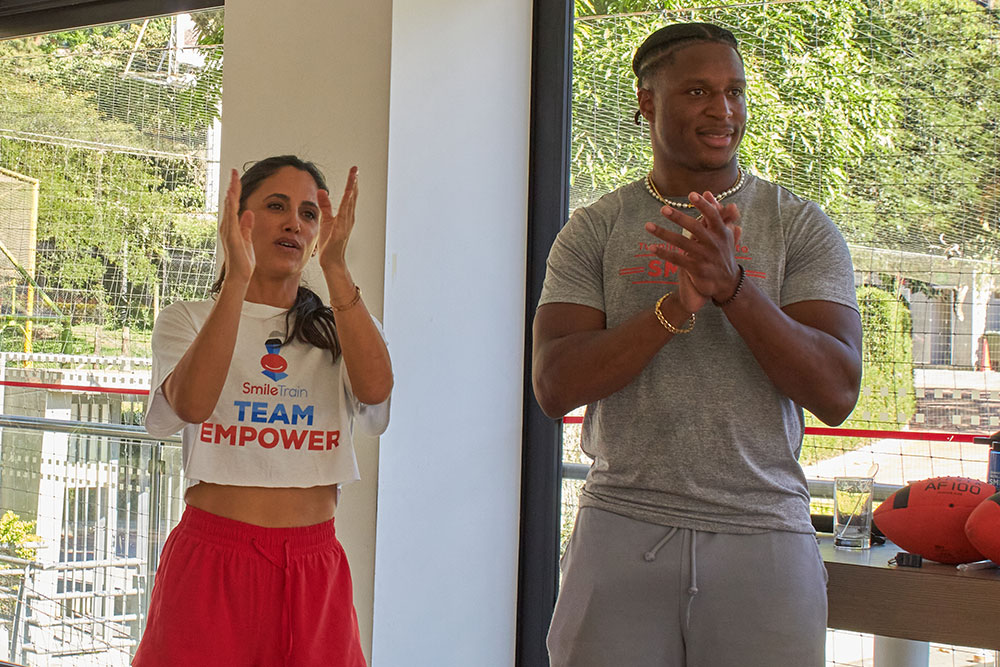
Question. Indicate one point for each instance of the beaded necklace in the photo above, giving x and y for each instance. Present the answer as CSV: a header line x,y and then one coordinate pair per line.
x,y
651,188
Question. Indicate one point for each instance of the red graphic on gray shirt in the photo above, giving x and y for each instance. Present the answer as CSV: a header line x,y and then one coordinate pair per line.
x,y
646,267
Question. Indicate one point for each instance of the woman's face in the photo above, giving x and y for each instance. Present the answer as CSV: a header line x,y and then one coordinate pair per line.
x,y
286,222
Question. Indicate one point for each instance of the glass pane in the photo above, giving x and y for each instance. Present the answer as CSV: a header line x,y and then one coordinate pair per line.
x,y
108,194
883,112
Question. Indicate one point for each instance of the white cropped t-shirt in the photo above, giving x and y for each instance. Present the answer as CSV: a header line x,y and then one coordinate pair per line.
x,y
286,414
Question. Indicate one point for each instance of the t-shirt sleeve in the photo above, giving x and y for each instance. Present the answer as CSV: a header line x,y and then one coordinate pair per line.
x,y
369,419
173,333
818,264
574,270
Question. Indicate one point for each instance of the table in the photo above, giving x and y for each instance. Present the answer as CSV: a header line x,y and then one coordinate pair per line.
x,y
936,602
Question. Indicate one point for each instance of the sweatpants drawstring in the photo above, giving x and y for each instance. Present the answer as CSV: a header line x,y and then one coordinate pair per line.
x,y
286,613
650,555
288,601
692,590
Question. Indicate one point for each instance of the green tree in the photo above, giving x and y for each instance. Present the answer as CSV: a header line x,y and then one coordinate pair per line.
x,y
16,535
938,176
206,93
121,70
111,199
104,215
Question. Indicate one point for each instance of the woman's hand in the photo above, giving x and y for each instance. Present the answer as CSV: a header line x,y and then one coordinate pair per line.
x,y
335,228
235,232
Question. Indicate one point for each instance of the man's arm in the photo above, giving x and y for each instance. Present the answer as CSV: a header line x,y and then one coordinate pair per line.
x,y
576,360
810,350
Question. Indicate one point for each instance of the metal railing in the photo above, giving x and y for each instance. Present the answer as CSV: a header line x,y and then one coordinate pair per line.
x,y
83,428
81,633
104,496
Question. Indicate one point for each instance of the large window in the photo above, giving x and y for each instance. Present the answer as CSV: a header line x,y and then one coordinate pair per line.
x,y
108,192
883,112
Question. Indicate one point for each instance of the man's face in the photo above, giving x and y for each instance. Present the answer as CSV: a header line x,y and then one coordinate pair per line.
x,y
696,108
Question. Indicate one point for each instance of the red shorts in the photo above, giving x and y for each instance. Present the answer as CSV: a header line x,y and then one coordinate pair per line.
x,y
231,593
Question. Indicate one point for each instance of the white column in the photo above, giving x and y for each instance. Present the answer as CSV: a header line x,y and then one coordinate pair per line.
x,y
449,477
982,290
311,77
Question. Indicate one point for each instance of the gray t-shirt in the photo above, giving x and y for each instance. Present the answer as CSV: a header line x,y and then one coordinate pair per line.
x,y
701,438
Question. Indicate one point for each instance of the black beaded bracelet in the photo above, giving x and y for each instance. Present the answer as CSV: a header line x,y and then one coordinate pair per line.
x,y
739,286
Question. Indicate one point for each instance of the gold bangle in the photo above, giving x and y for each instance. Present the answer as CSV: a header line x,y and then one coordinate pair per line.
x,y
348,306
667,325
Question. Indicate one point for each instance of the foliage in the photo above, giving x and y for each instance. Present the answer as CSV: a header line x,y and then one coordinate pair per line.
x,y
206,93
16,534
113,64
608,149
887,397
879,111
107,214
940,184
814,111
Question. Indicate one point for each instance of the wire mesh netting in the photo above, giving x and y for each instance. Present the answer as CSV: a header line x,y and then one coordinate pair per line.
x,y
108,145
108,197
885,112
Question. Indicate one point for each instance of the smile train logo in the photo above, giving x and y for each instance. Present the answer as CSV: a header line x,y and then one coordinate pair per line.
x,y
272,362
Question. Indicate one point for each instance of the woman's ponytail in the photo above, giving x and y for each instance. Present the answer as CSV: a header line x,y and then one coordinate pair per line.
x,y
312,322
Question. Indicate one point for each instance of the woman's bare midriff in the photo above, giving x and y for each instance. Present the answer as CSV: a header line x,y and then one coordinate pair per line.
x,y
262,506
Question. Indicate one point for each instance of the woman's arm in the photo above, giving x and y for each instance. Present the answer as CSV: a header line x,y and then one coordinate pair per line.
x,y
365,354
192,389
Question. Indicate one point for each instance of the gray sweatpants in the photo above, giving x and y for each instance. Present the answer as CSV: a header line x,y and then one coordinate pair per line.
x,y
636,594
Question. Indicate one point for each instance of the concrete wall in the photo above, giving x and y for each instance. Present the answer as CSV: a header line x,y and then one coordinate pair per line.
x,y
310,77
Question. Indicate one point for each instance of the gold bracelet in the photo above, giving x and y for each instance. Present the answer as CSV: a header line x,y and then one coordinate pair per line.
x,y
348,306
667,325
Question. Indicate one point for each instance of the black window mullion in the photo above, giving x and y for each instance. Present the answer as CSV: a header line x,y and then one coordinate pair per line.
x,y
548,201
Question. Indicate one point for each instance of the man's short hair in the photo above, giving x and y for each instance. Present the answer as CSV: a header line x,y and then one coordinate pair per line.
x,y
655,48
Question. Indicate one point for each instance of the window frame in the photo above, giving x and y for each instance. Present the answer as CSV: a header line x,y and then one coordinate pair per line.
x,y
23,18
541,441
